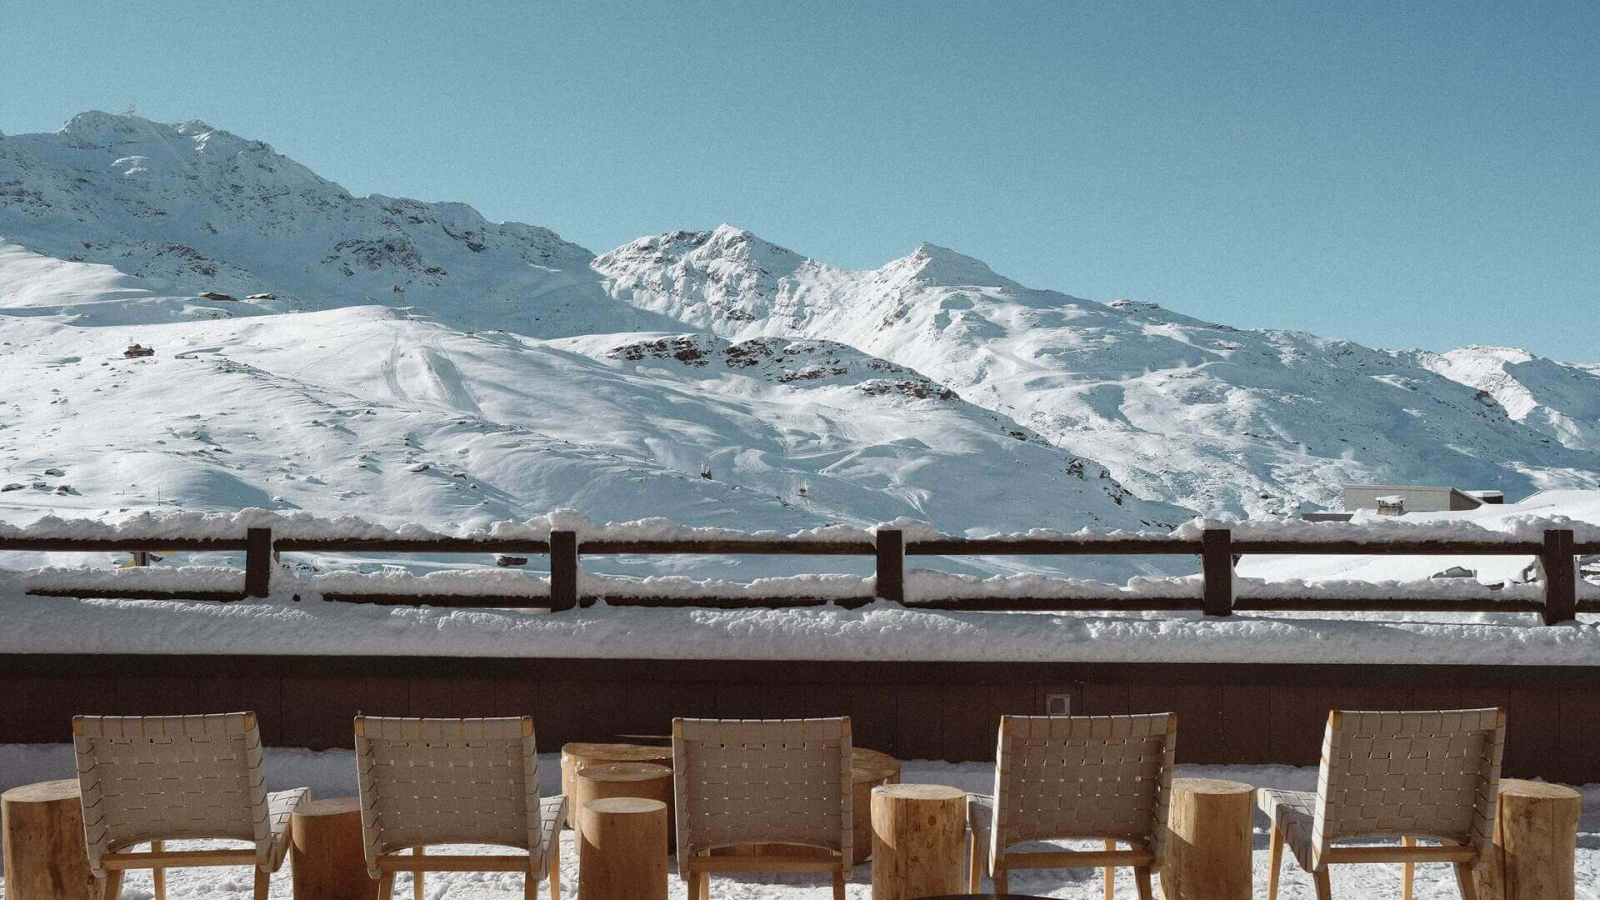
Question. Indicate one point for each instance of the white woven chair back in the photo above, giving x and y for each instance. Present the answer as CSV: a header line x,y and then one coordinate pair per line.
x,y
171,777
1065,777
768,781
1419,774
447,781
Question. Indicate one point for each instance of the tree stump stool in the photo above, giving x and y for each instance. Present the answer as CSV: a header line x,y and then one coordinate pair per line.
x,y
918,841
326,852
647,781
622,849
1210,840
1535,843
575,756
44,851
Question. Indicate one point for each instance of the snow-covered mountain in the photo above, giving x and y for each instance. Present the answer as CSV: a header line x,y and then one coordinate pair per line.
x,y
373,412
178,210
411,360
1205,415
1557,399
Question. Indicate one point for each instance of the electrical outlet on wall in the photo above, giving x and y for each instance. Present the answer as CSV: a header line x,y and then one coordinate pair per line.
x,y
1058,704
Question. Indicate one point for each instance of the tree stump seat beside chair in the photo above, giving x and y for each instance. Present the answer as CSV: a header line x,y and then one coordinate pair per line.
x,y
1105,778
1409,775
426,782
785,781
154,779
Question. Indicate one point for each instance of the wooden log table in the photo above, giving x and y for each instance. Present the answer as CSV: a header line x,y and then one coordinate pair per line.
x,y
326,853
42,830
1209,841
646,781
918,841
577,755
622,851
1535,843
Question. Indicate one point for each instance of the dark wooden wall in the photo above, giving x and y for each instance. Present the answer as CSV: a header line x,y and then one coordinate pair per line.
x,y
1228,713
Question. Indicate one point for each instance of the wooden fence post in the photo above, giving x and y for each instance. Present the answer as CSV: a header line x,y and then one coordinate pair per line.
x,y
258,562
563,570
892,565
1216,565
1558,569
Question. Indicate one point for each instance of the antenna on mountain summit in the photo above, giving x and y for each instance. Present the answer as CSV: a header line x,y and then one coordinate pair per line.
x,y
129,110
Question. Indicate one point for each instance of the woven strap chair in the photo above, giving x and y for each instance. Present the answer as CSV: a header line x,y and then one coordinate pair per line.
x,y
455,781
1432,774
159,778
1076,777
782,781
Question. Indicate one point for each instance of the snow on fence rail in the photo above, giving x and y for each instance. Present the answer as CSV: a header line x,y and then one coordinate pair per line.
x,y
564,537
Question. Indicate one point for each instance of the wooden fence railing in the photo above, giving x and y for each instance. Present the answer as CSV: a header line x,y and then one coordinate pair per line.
x,y
1217,548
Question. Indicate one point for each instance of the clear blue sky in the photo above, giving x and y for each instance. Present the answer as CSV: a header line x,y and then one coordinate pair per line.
x,y
1403,174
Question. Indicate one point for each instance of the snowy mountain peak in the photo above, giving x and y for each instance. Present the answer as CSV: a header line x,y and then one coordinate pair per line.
x,y
194,210
933,264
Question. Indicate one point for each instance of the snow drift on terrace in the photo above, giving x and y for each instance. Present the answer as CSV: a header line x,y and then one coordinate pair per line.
x,y
1214,418
876,631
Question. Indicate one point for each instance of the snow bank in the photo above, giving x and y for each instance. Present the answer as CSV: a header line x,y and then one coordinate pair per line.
x,y
447,583
924,584
1510,530
1346,589
140,578
875,631
827,587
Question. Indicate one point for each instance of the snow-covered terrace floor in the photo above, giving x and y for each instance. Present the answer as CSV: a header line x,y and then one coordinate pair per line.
x,y
332,773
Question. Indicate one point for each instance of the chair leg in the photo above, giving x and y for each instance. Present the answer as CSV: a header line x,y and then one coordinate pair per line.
x,y
1141,880
1464,882
416,877
1002,880
1408,870
1274,862
705,886
386,886
263,886
974,870
1324,885
113,887
159,875
838,884
1111,875
555,868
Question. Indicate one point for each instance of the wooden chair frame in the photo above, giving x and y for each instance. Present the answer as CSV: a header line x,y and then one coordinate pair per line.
x,y
419,862
700,866
1141,859
1408,854
158,859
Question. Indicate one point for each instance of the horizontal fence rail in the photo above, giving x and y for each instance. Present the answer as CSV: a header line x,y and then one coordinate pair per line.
x,y
1556,559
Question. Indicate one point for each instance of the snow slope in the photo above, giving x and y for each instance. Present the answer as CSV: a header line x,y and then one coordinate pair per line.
x,y
1200,414
398,418
1557,399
